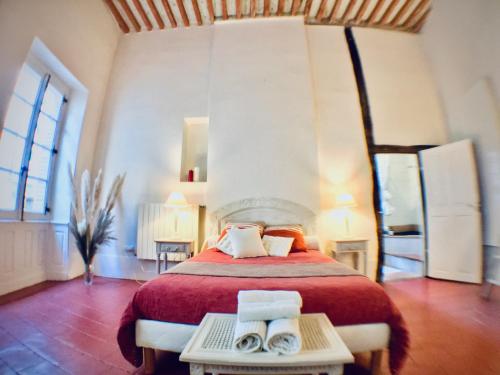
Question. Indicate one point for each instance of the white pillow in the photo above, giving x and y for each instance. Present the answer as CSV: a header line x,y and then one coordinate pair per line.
x,y
277,246
246,243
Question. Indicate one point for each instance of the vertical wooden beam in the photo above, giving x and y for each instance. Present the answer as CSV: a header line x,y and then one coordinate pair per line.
x,y
420,22
296,7
266,8
412,18
376,10
169,12
130,15
335,10
348,10
224,9
253,8
401,13
197,12
156,14
143,14
361,12
182,10
118,17
321,10
307,8
281,5
149,360
388,12
238,8
370,141
211,13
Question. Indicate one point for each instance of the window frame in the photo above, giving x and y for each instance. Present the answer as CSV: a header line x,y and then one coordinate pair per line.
x,y
19,212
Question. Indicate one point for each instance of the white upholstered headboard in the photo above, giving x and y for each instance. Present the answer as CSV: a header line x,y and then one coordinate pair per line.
x,y
271,211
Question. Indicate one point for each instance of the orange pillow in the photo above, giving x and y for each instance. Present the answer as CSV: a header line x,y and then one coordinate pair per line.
x,y
295,231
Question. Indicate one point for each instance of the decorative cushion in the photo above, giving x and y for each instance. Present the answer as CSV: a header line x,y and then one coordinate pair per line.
x,y
277,246
246,243
292,230
224,244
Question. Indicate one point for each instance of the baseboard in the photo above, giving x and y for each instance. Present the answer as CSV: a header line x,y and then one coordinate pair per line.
x,y
12,285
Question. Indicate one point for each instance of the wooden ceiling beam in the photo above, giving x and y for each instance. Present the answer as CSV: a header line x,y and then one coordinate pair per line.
x,y
224,9
376,10
197,12
143,14
401,13
118,17
296,6
130,15
253,8
182,10
321,10
266,8
281,6
307,8
412,18
388,12
348,10
361,11
156,14
211,12
238,9
420,22
169,12
335,10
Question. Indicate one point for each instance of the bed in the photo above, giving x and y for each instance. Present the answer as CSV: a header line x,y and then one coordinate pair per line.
x,y
165,311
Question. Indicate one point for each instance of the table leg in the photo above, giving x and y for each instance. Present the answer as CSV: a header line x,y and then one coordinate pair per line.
x,y
365,269
196,369
158,262
149,360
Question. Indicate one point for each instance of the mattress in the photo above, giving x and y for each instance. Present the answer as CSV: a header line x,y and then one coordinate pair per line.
x,y
185,299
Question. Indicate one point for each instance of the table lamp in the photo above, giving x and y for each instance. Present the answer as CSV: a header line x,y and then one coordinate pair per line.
x,y
176,200
345,202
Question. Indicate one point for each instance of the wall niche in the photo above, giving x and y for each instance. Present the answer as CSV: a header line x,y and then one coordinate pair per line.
x,y
194,149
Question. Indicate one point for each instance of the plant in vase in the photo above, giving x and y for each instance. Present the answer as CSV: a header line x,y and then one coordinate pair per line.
x,y
91,224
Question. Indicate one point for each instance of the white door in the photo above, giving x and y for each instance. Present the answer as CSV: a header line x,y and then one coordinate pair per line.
x,y
453,212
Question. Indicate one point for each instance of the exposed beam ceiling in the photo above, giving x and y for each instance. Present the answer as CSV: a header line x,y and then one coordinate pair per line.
x,y
147,15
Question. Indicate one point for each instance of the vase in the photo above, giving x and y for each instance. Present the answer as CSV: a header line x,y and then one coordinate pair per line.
x,y
88,275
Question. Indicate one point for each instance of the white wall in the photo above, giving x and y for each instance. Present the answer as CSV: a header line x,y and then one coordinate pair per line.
x,y
83,36
159,78
403,97
262,140
462,42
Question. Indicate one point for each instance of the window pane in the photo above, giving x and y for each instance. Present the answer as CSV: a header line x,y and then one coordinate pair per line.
x,y
52,101
39,162
18,116
28,83
11,151
44,133
34,200
8,190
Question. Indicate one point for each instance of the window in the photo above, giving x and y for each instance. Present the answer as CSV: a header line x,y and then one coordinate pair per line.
x,y
28,142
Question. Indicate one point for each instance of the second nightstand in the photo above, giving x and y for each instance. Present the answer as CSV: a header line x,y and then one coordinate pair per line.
x,y
181,248
354,247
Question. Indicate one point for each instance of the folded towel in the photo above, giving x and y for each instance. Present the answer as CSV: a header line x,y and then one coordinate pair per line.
x,y
267,310
283,337
269,296
249,336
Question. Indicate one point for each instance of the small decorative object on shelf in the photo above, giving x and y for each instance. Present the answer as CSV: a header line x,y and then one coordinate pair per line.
x,y
196,174
89,223
190,175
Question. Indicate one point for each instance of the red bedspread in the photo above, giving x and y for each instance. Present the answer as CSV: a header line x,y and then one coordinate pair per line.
x,y
187,298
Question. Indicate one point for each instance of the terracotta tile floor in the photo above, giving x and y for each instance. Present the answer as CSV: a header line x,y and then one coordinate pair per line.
x,y
60,328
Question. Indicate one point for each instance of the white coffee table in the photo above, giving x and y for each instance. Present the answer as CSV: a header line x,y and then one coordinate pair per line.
x,y
209,350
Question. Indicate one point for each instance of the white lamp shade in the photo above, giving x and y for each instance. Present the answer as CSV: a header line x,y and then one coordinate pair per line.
x,y
345,200
176,199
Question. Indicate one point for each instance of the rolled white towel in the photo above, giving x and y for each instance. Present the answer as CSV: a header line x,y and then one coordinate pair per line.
x,y
249,336
245,296
283,337
267,310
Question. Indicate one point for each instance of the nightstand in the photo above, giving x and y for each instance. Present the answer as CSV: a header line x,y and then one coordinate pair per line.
x,y
182,250
355,247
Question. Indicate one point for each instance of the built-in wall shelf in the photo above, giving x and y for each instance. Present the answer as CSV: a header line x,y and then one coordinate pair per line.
x,y
194,148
